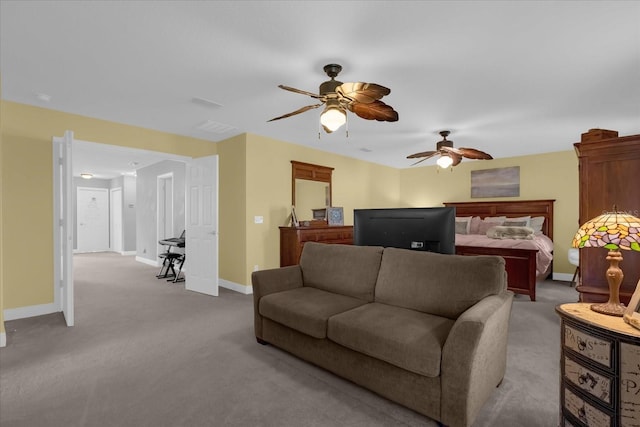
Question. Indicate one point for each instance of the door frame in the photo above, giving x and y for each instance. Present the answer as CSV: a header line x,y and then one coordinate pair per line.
x,y
161,204
113,214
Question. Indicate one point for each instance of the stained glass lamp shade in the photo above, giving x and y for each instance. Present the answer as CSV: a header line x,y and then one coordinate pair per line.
x,y
613,231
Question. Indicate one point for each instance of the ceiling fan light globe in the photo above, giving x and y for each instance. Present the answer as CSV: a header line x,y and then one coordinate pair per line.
x,y
444,162
332,118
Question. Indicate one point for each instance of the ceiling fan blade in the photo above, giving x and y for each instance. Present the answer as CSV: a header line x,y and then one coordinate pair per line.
x,y
419,161
303,92
376,110
472,153
362,92
426,154
293,113
456,159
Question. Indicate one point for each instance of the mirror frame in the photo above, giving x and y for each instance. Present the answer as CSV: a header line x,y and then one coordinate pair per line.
x,y
310,172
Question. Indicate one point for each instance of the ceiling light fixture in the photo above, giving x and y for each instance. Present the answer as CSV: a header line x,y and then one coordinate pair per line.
x,y
444,161
333,116
86,175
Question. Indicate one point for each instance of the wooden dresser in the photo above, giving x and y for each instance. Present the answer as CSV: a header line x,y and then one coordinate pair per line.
x,y
599,369
292,239
608,175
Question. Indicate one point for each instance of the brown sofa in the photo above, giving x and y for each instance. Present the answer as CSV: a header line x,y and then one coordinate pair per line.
x,y
426,330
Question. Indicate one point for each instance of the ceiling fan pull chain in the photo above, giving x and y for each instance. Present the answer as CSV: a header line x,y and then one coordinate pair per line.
x,y
346,124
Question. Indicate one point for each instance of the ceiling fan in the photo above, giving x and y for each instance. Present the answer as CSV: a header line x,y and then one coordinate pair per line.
x,y
449,156
362,99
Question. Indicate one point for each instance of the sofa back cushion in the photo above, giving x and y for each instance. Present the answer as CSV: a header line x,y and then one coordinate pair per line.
x,y
342,269
444,285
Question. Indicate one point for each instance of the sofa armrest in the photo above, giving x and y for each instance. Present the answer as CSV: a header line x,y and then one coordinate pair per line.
x,y
265,282
474,358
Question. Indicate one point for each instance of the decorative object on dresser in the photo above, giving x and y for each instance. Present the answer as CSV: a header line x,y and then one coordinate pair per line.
x,y
608,174
526,260
631,315
613,231
335,216
599,369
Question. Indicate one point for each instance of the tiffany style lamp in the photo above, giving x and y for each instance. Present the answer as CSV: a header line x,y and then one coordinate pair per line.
x,y
612,231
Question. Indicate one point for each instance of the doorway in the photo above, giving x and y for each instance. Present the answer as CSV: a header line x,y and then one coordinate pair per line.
x,y
92,216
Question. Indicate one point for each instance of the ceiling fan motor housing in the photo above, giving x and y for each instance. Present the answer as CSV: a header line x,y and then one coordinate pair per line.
x,y
329,87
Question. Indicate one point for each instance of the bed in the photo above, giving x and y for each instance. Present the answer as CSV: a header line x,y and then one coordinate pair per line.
x,y
526,260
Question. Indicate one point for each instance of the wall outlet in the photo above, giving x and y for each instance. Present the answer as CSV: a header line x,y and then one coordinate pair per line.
x,y
258,219
256,267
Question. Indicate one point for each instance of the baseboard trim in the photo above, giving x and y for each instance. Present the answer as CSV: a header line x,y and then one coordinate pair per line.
x,y
3,339
562,277
246,290
128,253
29,311
147,261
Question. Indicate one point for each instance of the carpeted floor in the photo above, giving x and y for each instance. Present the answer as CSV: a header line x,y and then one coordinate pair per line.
x,y
145,352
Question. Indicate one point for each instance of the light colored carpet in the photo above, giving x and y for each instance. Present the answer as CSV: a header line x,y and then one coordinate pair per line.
x,y
145,352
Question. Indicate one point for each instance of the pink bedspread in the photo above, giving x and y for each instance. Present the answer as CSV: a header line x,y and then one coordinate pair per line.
x,y
540,242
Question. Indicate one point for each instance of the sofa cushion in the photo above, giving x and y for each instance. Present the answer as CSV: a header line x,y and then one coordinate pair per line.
x,y
305,309
408,339
342,269
444,285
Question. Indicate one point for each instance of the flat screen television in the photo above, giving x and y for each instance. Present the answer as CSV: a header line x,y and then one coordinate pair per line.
x,y
421,229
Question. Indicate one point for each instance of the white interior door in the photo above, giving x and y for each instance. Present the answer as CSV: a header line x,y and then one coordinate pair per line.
x,y
63,221
115,219
93,219
201,248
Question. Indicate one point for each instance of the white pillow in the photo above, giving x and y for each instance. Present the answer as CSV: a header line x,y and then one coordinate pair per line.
x,y
536,223
463,224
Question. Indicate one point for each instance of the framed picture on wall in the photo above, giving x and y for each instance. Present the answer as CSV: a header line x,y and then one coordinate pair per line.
x,y
335,216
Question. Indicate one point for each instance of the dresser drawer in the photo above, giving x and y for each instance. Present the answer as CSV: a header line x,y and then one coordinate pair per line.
x,y
588,414
594,347
598,385
327,236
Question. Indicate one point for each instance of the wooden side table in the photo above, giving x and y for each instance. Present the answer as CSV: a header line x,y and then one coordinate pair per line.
x,y
599,369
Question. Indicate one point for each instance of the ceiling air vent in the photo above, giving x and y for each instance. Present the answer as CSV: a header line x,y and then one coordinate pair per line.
x,y
214,127
205,102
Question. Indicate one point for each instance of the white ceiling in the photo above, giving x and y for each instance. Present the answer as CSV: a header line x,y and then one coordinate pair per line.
x,y
508,78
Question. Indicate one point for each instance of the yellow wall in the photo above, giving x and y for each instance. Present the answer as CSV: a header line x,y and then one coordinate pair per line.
x,y
27,197
356,184
232,209
544,176
255,180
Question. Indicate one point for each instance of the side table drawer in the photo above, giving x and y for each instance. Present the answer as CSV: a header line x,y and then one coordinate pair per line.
x,y
598,349
587,413
599,386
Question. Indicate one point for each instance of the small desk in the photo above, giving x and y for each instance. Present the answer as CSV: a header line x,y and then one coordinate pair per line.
x,y
170,258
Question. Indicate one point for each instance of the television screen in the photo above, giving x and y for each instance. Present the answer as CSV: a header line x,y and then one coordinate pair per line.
x,y
422,229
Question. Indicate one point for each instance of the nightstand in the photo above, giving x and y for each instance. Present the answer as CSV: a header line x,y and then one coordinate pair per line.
x,y
599,369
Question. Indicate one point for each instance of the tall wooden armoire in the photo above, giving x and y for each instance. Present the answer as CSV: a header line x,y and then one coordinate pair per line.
x,y
609,173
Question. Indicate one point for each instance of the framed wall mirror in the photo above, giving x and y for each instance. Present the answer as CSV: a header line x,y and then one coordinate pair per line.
x,y
310,191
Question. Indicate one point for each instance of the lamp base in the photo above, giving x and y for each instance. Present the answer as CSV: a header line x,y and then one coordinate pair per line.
x,y
610,309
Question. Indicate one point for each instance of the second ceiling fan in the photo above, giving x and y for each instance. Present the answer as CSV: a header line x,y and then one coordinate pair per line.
x,y
449,156
362,99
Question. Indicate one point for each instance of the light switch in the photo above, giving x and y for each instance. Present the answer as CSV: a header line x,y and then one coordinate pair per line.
x,y
258,219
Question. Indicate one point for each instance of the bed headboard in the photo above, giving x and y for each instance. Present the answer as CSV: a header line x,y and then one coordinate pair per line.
x,y
513,208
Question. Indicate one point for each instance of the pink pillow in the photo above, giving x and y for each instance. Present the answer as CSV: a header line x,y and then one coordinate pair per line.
x,y
486,225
